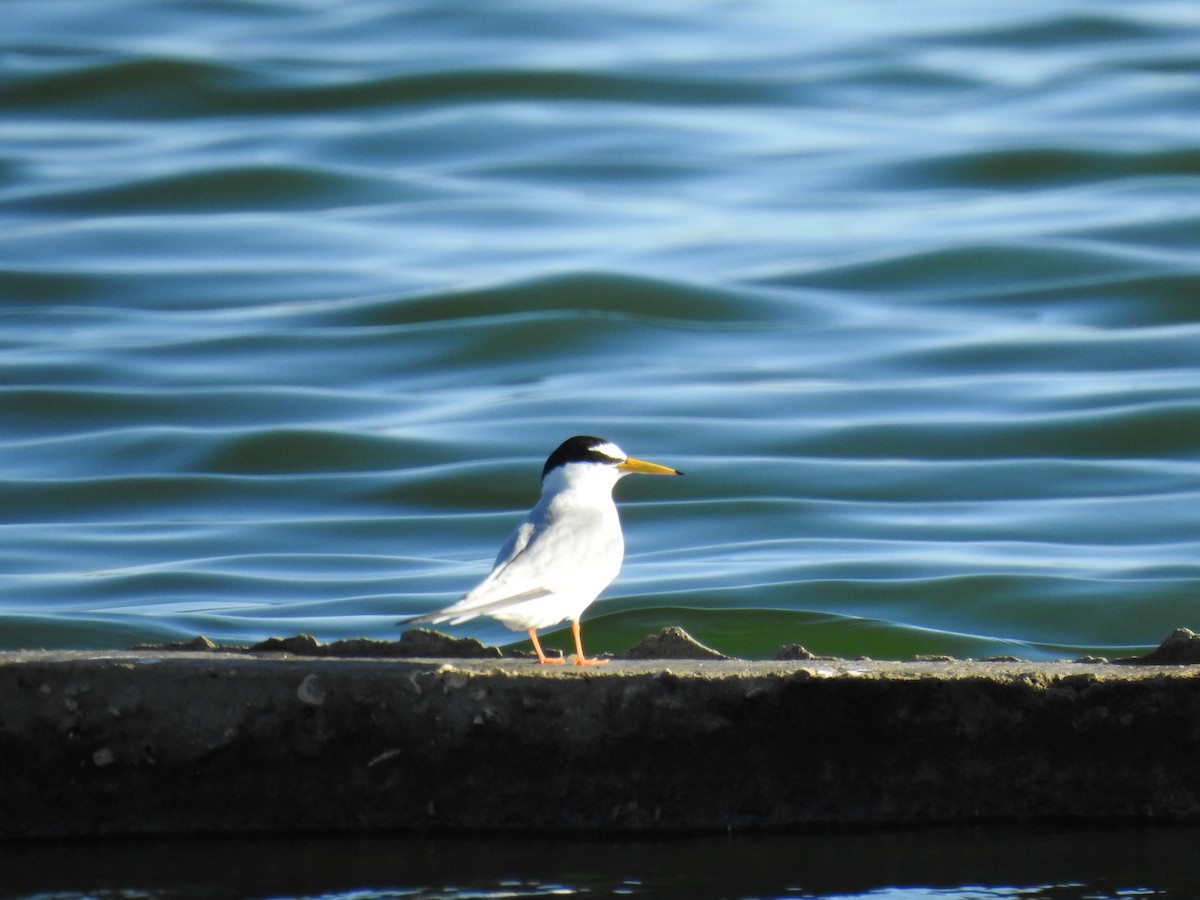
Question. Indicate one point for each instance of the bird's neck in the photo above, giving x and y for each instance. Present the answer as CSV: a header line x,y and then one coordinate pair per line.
x,y
581,484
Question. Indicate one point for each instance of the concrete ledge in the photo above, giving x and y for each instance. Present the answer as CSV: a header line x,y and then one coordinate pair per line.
x,y
188,742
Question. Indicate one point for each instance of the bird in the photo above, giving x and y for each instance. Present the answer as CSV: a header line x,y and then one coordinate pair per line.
x,y
568,549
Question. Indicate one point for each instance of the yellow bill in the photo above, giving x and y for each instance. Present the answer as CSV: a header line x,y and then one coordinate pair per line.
x,y
646,468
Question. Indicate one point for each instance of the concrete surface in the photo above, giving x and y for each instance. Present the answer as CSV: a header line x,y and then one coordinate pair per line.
x,y
194,741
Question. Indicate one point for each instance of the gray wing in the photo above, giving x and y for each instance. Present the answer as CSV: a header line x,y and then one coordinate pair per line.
x,y
510,581
538,560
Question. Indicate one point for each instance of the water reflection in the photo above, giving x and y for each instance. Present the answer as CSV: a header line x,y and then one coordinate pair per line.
x,y
967,863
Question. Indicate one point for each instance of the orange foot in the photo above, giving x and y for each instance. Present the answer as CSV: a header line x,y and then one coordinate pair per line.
x,y
543,659
579,659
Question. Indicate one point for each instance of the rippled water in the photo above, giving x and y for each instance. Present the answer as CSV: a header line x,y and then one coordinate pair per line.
x,y
296,297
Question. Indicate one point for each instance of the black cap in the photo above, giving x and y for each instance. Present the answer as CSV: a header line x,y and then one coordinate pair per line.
x,y
582,448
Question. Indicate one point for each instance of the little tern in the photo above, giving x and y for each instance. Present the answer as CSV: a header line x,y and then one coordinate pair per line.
x,y
568,549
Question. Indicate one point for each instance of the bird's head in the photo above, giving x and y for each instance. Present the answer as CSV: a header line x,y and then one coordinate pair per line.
x,y
595,459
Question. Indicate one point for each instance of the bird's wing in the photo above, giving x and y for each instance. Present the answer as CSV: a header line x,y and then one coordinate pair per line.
x,y
501,587
538,559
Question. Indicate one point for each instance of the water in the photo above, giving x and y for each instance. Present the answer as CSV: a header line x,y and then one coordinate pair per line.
x,y
946,864
295,298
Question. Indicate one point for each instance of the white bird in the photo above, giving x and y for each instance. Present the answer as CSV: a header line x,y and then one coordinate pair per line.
x,y
568,549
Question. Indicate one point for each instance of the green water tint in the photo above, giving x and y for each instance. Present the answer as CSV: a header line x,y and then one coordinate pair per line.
x,y
759,634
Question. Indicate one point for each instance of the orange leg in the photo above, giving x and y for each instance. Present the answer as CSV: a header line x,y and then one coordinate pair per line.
x,y
542,657
580,659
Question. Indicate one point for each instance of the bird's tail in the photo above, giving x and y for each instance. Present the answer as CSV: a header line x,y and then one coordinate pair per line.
x,y
423,619
458,612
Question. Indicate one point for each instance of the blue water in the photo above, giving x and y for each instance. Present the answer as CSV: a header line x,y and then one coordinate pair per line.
x,y
296,297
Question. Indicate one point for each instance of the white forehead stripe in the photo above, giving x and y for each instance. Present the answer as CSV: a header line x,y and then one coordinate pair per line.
x,y
611,450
